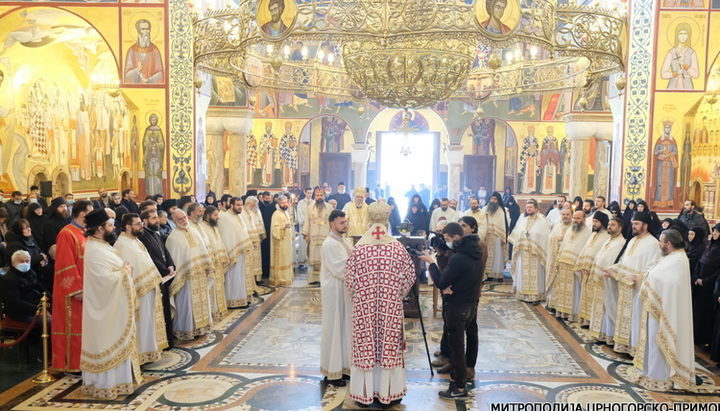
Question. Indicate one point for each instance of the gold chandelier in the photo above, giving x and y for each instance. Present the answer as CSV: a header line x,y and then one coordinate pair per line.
x,y
409,53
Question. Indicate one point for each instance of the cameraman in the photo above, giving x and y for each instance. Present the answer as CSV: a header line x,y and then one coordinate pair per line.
x,y
442,254
460,281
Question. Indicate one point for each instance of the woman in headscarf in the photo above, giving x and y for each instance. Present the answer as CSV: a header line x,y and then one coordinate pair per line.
x,y
696,246
435,204
416,199
628,213
514,210
36,218
210,201
666,223
642,206
394,216
683,229
577,204
703,286
159,199
615,210
420,219
655,226
115,201
507,194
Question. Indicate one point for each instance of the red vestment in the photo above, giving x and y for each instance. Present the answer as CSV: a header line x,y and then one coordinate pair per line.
x,y
378,276
67,311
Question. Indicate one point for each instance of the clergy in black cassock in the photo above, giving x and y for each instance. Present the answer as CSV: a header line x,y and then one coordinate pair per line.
x,y
267,209
155,246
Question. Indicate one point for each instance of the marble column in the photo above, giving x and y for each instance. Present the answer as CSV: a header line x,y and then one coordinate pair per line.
x,y
455,159
603,139
579,128
214,153
360,156
237,122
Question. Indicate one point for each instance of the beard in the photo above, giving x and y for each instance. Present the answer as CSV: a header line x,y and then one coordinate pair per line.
x,y
104,196
576,227
110,237
197,219
320,204
341,191
213,222
136,233
595,230
474,209
611,232
154,227
144,40
492,207
183,226
65,214
284,208
664,251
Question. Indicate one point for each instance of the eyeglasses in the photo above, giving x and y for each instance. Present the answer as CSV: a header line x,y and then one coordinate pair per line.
x,y
141,223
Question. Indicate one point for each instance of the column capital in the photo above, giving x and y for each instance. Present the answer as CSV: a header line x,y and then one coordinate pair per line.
x,y
360,153
454,154
583,126
233,120
604,131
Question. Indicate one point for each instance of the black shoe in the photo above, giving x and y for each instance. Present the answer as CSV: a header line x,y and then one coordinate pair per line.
x,y
454,394
337,383
346,377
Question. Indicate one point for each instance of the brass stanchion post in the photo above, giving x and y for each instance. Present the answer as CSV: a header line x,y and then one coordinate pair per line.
x,y
44,377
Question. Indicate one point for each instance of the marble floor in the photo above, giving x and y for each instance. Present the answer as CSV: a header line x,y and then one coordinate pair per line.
x,y
266,358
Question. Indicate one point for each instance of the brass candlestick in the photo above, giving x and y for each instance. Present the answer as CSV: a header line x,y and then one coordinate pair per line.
x,y
45,376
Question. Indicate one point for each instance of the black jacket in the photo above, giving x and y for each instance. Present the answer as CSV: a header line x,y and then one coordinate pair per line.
x,y
156,248
131,206
15,210
21,293
16,243
464,272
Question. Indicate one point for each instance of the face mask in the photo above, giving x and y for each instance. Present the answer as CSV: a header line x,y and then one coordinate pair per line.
x,y
23,267
17,202
71,201
112,221
33,200
449,244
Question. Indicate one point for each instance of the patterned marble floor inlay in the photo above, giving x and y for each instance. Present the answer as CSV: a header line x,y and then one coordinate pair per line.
x,y
266,358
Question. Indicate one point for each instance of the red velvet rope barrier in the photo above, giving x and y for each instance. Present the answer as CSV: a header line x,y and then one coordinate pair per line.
x,y
25,334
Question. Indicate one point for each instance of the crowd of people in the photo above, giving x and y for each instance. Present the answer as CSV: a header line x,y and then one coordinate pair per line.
x,y
113,269
125,278
643,286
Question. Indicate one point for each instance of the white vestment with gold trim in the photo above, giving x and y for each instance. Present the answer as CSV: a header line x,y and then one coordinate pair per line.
x,y
641,254
149,320
665,355
190,288
109,359
530,241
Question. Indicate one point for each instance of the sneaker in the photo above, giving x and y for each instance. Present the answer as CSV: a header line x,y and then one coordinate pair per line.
x,y
454,394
